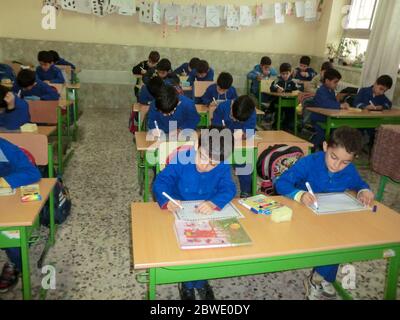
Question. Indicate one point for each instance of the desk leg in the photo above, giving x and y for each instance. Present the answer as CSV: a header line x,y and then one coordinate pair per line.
x,y
26,276
139,124
278,124
59,142
392,277
152,284
254,172
146,179
328,128
75,135
296,102
52,232
382,183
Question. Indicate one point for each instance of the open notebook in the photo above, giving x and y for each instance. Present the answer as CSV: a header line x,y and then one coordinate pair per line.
x,y
189,212
331,203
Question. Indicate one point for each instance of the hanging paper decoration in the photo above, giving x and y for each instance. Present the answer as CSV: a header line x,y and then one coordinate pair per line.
x,y
186,16
99,8
52,3
233,17
125,7
246,18
157,16
145,12
310,10
213,16
199,16
268,11
68,5
300,9
83,6
279,16
289,9
172,15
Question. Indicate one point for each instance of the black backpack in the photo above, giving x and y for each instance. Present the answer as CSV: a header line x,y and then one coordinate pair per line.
x,y
273,162
62,201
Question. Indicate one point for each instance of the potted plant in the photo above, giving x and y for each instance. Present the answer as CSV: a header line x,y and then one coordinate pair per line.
x,y
332,52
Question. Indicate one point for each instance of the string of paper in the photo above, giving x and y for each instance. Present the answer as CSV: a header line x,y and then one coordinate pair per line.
x,y
196,15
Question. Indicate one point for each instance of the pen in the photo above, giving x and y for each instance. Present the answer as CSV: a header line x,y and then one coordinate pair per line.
x,y
310,191
172,200
249,208
371,103
223,123
158,129
279,87
215,101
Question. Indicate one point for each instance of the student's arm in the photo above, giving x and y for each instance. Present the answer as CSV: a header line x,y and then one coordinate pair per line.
x,y
218,116
59,78
361,100
357,183
151,117
210,75
23,172
274,86
137,70
166,181
226,189
18,116
192,118
192,77
144,95
324,100
387,104
180,69
234,95
287,182
148,75
49,94
207,97
252,75
311,74
250,125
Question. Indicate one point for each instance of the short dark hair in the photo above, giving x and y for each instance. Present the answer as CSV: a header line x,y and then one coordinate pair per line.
x,y
266,61
167,99
154,86
305,60
202,66
154,56
285,67
218,142
225,80
26,78
332,74
193,63
347,138
45,56
385,81
164,65
56,56
326,66
3,92
243,108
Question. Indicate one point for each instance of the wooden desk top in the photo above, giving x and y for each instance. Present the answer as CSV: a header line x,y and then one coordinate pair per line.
x,y
138,107
155,244
14,213
73,86
356,114
285,94
46,130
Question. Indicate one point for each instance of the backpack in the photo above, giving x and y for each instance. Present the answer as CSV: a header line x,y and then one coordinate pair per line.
x,y
62,201
273,162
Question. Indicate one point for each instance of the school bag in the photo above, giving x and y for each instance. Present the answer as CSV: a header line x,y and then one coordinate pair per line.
x,y
273,162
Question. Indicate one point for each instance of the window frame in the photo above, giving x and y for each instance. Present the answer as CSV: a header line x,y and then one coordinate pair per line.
x,y
360,33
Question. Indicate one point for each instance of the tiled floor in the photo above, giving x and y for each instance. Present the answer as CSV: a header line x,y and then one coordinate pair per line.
x,y
92,255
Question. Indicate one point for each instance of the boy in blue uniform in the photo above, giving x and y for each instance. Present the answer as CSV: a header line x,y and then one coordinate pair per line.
x,y
187,67
373,98
262,71
203,72
304,72
205,176
238,115
15,171
47,71
150,90
172,111
14,112
328,171
58,61
221,91
163,70
28,87
326,98
144,66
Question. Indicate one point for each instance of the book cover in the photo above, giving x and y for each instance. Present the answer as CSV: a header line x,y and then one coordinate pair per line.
x,y
30,193
261,204
210,234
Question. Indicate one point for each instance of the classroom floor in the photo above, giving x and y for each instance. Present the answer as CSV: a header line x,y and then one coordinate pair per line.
x,y
92,254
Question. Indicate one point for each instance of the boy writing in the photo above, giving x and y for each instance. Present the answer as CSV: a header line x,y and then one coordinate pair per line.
x,y
47,71
260,72
14,112
203,72
373,98
304,72
186,68
222,90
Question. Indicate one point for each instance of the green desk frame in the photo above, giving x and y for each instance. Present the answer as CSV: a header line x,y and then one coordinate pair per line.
x,y
168,275
382,184
287,103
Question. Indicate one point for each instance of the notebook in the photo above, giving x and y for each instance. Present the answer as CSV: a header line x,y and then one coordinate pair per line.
x,y
210,234
331,203
7,192
189,212
261,204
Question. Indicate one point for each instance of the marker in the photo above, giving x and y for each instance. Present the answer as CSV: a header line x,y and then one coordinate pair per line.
x,y
375,209
279,87
371,103
215,101
310,191
223,123
158,129
249,208
142,69
172,200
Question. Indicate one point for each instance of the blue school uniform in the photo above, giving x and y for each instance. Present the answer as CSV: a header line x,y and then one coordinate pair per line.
x,y
14,119
41,90
183,68
53,75
313,169
18,171
185,115
212,92
6,72
311,74
223,112
193,76
252,75
287,85
63,62
365,95
145,96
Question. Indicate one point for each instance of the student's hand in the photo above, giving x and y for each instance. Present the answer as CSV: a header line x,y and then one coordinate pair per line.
x,y
374,108
213,104
304,74
280,90
206,207
10,100
4,183
308,199
172,207
47,81
366,197
143,72
345,106
260,77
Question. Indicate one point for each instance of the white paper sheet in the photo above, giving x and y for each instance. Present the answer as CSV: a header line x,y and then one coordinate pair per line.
x,y
125,7
300,10
213,17
331,203
289,9
268,11
232,18
157,13
172,15
83,6
246,18
310,10
186,16
189,212
146,12
198,16
68,5
279,16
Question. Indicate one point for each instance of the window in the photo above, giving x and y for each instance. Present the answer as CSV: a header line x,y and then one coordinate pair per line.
x,y
360,18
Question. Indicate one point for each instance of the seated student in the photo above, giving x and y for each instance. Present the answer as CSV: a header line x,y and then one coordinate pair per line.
x,y
14,112
15,171
318,80
260,72
170,109
304,72
47,71
149,91
6,72
28,87
186,68
222,90
373,98
326,98
328,171
58,61
144,66
163,69
239,114
205,175
203,72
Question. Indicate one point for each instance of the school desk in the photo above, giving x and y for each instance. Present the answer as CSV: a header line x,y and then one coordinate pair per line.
x,y
23,218
355,119
245,153
307,241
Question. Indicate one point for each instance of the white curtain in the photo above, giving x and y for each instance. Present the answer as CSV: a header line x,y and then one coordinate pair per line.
x,y
383,53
